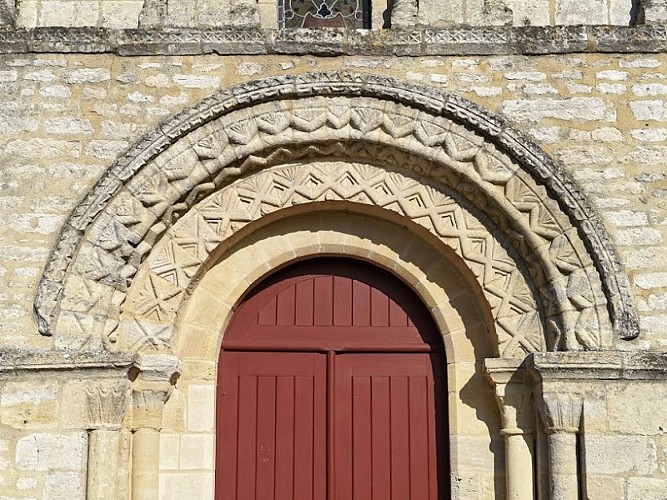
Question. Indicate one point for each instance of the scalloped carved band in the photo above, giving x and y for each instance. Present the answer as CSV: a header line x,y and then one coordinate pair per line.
x,y
447,145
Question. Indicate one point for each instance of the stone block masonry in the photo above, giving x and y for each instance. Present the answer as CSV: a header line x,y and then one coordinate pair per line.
x,y
65,118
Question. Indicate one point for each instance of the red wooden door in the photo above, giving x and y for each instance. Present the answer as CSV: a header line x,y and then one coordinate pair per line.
x,y
385,429
331,387
272,415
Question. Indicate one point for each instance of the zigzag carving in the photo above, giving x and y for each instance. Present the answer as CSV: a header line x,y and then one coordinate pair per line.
x,y
436,135
223,213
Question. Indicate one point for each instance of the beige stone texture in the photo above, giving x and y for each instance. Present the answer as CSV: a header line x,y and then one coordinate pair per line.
x,y
66,117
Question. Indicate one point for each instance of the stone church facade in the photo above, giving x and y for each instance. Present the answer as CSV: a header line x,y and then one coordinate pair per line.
x,y
505,160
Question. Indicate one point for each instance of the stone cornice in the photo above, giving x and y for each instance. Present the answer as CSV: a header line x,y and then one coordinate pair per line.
x,y
417,41
15,360
600,365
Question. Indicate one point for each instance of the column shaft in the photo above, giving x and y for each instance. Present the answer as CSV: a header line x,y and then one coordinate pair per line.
x,y
563,466
145,464
103,447
519,466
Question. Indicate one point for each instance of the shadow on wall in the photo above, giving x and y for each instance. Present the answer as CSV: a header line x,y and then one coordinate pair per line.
x,y
636,13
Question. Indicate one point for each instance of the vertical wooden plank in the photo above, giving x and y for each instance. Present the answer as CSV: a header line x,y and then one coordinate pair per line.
x,y
343,430
304,301
361,304
323,291
303,438
397,316
285,306
284,475
379,308
399,419
266,437
227,426
361,437
320,441
419,446
380,438
267,315
247,449
331,425
342,301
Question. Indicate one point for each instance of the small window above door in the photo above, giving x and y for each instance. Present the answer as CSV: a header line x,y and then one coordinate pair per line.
x,y
346,14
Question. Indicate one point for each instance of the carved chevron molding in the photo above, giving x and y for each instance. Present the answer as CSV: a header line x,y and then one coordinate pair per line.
x,y
538,206
157,293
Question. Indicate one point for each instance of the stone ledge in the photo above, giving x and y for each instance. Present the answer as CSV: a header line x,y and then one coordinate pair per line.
x,y
333,42
15,360
598,365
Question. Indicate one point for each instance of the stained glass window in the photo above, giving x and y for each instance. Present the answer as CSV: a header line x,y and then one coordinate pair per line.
x,y
350,14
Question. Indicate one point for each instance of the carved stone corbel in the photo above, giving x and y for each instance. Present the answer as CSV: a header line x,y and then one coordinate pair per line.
x,y
106,404
245,13
153,14
7,13
561,414
513,392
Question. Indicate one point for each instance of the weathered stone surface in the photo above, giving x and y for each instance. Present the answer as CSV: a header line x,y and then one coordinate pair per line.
x,y
576,108
71,108
621,454
56,452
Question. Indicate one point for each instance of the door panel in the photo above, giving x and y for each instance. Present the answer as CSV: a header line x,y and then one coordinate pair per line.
x,y
327,390
384,442
272,425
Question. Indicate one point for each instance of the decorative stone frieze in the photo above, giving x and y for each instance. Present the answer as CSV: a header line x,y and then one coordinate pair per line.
x,y
252,127
158,290
415,41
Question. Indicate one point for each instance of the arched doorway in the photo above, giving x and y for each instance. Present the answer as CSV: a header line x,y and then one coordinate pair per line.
x,y
331,385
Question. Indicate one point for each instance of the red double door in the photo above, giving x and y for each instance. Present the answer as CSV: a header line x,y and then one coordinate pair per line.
x,y
331,388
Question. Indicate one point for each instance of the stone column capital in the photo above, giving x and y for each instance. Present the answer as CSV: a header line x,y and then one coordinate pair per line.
x,y
148,401
561,412
155,376
107,403
514,395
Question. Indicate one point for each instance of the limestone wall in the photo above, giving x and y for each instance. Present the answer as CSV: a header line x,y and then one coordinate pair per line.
x,y
64,118
133,13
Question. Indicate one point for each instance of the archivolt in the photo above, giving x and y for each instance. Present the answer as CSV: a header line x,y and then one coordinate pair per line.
x,y
442,137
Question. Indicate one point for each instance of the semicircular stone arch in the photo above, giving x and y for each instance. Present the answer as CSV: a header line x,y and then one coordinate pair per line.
x,y
188,249
444,141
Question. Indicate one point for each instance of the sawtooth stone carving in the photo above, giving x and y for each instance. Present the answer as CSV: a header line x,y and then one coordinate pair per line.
x,y
443,138
160,287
